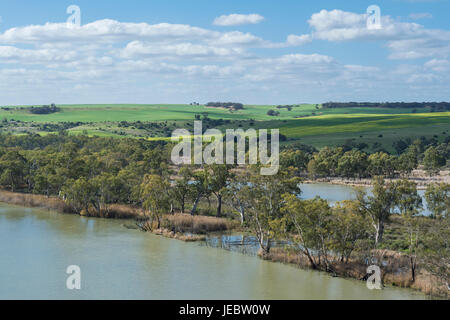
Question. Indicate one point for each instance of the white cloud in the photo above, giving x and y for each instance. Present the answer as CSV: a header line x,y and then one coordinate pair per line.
x,y
338,25
103,31
186,49
295,40
238,19
406,40
109,61
438,65
421,15
9,54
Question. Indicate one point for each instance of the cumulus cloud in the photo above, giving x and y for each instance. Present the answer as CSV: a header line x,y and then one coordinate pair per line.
x,y
422,15
10,54
112,61
296,40
238,19
140,49
103,31
338,25
406,40
438,65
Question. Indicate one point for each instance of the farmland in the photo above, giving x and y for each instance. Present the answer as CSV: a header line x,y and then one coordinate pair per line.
x,y
305,123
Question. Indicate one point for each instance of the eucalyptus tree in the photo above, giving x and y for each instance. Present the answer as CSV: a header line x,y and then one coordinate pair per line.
x,y
378,207
310,231
265,198
155,197
219,176
237,194
409,203
438,199
200,187
182,186
433,160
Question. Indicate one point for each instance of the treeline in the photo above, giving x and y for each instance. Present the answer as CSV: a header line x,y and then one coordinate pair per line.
x,y
44,109
436,106
354,163
227,105
288,107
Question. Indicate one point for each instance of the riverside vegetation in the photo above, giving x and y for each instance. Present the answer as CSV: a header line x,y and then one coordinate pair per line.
x,y
133,178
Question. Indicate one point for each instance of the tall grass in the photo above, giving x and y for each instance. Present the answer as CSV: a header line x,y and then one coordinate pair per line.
x,y
395,270
195,224
114,211
34,201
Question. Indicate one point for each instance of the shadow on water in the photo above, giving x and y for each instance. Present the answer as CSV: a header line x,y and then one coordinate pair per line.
x,y
241,243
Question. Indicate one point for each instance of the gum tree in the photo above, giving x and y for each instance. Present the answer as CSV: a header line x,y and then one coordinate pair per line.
x,y
378,207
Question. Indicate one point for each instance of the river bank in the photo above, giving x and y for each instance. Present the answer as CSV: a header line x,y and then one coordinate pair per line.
x,y
394,266
418,176
177,226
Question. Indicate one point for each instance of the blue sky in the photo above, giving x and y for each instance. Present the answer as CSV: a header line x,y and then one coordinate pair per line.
x,y
262,52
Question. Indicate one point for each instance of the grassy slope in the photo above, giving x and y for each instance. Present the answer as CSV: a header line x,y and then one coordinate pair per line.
x,y
326,127
99,113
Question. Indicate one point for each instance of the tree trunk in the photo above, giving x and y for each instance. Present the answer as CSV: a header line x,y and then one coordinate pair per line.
x,y
219,205
265,247
194,208
413,268
311,260
158,221
379,234
242,213
182,205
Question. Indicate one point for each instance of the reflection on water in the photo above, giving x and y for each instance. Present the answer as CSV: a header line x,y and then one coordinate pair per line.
x,y
245,244
335,192
118,263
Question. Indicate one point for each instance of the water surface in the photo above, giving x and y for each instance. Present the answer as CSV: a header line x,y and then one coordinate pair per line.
x,y
36,247
337,192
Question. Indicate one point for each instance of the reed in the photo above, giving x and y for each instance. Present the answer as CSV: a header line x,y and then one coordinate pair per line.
x,y
34,201
395,271
182,223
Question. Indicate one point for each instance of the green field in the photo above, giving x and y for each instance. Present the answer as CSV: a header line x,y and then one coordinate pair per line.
x,y
131,112
306,123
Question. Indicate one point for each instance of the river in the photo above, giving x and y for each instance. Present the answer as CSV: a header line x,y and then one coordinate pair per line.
x,y
36,247
336,192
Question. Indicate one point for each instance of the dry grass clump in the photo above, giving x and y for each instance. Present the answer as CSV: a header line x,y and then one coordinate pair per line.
x,y
183,237
395,269
114,211
182,223
34,201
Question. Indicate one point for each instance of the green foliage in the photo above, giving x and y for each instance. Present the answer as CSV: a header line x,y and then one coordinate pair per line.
x,y
433,160
379,207
438,199
155,197
265,201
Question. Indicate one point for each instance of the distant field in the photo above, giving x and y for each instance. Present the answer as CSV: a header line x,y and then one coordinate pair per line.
x,y
130,112
306,123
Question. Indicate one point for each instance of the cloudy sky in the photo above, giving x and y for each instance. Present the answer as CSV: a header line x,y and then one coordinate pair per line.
x,y
262,52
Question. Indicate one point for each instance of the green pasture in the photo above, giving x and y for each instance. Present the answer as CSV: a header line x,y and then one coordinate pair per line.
x,y
135,112
305,123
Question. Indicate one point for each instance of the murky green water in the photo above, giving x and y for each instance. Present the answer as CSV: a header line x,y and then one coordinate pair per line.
x,y
118,263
